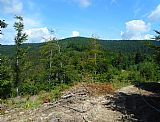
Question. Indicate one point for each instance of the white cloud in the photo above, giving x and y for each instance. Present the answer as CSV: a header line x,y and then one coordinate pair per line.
x,y
155,14
75,33
136,29
31,22
137,25
148,36
36,35
1,36
11,6
7,38
31,26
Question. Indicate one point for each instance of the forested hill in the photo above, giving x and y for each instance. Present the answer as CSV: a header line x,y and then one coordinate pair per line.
x,y
82,43
56,64
9,50
125,46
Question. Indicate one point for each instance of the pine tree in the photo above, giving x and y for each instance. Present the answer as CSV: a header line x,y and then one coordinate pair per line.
x,y
19,39
95,50
51,53
138,58
157,37
157,48
2,25
5,84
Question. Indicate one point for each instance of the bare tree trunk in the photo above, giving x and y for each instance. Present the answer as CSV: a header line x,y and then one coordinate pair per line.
x,y
59,51
17,76
50,65
61,65
17,91
95,57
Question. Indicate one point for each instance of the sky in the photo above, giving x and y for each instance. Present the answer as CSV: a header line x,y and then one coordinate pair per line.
x,y
105,19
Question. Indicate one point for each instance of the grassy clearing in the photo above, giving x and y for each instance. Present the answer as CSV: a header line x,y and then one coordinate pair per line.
x,y
32,102
35,101
120,84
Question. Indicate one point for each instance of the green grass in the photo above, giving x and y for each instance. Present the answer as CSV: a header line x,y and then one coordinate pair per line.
x,y
29,102
120,84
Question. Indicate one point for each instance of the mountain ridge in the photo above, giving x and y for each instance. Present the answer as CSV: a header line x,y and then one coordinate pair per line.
x,y
83,42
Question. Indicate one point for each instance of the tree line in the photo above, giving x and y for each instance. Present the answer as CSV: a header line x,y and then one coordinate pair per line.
x,y
57,62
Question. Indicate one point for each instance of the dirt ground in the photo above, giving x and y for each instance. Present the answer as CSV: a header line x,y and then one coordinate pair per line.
x,y
92,103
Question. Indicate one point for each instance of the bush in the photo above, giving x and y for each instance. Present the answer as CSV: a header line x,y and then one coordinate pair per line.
x,y
134,76
57,92
45,97
120,84
148,70
5,88
28,88
105,77
54,94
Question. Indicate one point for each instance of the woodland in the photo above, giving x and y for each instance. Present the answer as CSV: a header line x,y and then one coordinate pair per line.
x,y
56,64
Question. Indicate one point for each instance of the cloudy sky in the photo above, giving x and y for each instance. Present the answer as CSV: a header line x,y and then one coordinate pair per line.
x,y
107,19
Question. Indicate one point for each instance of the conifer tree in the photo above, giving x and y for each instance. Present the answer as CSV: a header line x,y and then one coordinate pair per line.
x,y
19,39
157,48
2,25
95,49
5,84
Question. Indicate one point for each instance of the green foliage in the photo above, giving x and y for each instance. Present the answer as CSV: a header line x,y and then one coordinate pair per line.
x,y
19,26
19,39
5,88
118,61
82,44
120,84
32,104
5,77
148,71
103,78
47,69
134,76
157,37
53,66
156,47
57,92
2,25
28,88
138,58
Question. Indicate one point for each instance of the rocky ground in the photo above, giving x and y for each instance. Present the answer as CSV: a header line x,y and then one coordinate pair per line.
x,y
84,103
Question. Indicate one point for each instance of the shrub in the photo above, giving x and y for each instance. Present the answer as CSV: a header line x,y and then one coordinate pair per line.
x,y
134,76
28,88
148,71
44,96
57,92
5,88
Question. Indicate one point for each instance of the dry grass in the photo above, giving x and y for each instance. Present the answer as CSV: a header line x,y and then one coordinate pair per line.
x,y
94,88
99,88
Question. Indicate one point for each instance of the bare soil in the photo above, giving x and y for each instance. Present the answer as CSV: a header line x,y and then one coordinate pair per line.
x,y
94,103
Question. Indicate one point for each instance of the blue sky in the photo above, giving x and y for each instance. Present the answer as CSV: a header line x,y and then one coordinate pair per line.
x,y
106,19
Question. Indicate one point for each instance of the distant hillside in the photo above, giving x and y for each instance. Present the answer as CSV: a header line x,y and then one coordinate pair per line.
x,y
9,50
111,45
82,43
